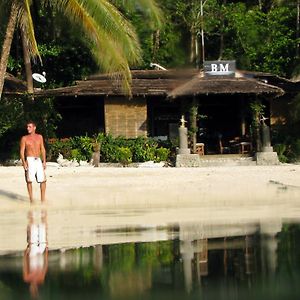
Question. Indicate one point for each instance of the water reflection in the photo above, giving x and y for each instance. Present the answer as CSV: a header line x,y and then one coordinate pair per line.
x,y
35,260
227,250
209,261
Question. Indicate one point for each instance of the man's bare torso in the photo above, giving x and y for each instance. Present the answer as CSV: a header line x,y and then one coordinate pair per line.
x,y
33,144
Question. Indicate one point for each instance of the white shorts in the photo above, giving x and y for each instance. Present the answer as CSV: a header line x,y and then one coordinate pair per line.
x,y
35,170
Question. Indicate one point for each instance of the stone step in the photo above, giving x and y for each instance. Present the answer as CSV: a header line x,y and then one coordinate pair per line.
x,y
194,160
214,162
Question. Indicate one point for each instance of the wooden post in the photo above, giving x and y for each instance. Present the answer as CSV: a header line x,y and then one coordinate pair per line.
x,y
193,123
243,117
257,108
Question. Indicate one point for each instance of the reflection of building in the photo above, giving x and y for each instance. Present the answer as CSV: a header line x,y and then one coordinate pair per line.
x,y
206,249
35,264
269,244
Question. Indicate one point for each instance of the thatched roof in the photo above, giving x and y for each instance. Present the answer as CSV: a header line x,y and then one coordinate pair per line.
x,y
13,85
289,86
140,87
174,83
144,83
201,85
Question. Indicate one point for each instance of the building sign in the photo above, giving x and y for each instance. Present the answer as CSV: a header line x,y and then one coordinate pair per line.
x,y
219,68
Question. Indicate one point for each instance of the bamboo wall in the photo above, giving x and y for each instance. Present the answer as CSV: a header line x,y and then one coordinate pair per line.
x,y
124,117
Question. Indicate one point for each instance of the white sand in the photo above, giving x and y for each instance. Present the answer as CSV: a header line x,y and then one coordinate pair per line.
x,y
83,201
146,187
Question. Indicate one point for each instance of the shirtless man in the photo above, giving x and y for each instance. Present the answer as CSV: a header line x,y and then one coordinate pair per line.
x,y
31,150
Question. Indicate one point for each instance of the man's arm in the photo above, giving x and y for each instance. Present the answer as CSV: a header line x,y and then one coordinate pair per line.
x,y
22,153
43,152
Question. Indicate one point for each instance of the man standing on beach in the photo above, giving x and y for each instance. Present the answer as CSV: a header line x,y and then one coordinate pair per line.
x,y
31,150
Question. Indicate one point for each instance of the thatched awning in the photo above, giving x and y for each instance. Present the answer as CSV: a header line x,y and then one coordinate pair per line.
x,y
144,83
140,87
174,84
200,85
13,85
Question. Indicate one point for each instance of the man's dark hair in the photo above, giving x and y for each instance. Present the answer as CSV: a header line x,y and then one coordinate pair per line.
x,y
31,122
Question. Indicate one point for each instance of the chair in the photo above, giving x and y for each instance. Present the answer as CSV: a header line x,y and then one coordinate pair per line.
x,y
223,149
245,147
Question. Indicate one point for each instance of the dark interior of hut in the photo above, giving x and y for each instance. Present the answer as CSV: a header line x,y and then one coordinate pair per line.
x,y
80,116
223,123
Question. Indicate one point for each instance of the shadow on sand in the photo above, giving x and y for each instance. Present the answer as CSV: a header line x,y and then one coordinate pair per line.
x,y
13,196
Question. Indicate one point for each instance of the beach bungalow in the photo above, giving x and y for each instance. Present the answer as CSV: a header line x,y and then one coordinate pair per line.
x,y
216,101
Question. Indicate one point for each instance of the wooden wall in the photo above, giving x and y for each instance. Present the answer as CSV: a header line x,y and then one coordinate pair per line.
x,y
124,117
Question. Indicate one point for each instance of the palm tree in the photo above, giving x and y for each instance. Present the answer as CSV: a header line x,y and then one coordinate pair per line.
x,y
112,38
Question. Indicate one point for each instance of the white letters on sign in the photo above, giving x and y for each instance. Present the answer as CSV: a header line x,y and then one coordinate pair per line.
x,y
214,67
219,68
224,68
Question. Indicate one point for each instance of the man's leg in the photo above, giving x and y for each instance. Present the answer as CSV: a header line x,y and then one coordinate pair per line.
x,y
43,191
29,189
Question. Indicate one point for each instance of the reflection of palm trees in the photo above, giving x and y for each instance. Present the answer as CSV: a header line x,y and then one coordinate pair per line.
x,y
35,262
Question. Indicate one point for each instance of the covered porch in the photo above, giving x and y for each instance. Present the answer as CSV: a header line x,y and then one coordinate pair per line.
x,y
220,113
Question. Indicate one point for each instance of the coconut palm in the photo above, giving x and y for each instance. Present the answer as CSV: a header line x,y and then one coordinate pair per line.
x,y
112,38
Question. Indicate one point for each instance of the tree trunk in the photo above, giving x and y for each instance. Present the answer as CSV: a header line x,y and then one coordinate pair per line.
x,y
202,30
298,28
27,63
221,50
7,44
260,4
193,39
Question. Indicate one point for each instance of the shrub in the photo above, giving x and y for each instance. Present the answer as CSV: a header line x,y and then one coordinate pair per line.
x,y
78,148
295,150
109,147
118,150
124,155
162,154
143,149
83,146
281,151
56,146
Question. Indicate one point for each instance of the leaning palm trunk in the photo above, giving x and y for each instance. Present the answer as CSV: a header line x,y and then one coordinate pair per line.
x,y
7,44
27,63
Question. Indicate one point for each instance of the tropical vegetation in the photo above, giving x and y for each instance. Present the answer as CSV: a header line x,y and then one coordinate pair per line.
x,y
74,38
110,37
112,150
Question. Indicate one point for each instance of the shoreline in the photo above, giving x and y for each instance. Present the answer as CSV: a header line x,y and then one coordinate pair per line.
x,y
86,205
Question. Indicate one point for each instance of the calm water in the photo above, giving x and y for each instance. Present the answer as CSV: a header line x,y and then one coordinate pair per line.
x,y
252,261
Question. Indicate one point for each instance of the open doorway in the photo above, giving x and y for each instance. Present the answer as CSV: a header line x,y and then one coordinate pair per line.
x,y
223,123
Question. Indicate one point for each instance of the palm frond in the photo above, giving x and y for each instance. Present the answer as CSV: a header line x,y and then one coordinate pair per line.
x,y
109,52
148,7
109,18
26,24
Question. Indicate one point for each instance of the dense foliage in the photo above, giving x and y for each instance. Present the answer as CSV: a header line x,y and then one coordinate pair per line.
x,y
115,150
260,35
14,113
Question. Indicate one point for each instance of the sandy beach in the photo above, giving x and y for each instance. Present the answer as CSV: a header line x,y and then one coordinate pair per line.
x,y
83,201
153,187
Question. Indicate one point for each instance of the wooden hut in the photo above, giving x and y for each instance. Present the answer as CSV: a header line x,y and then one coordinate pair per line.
x,y
159,98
